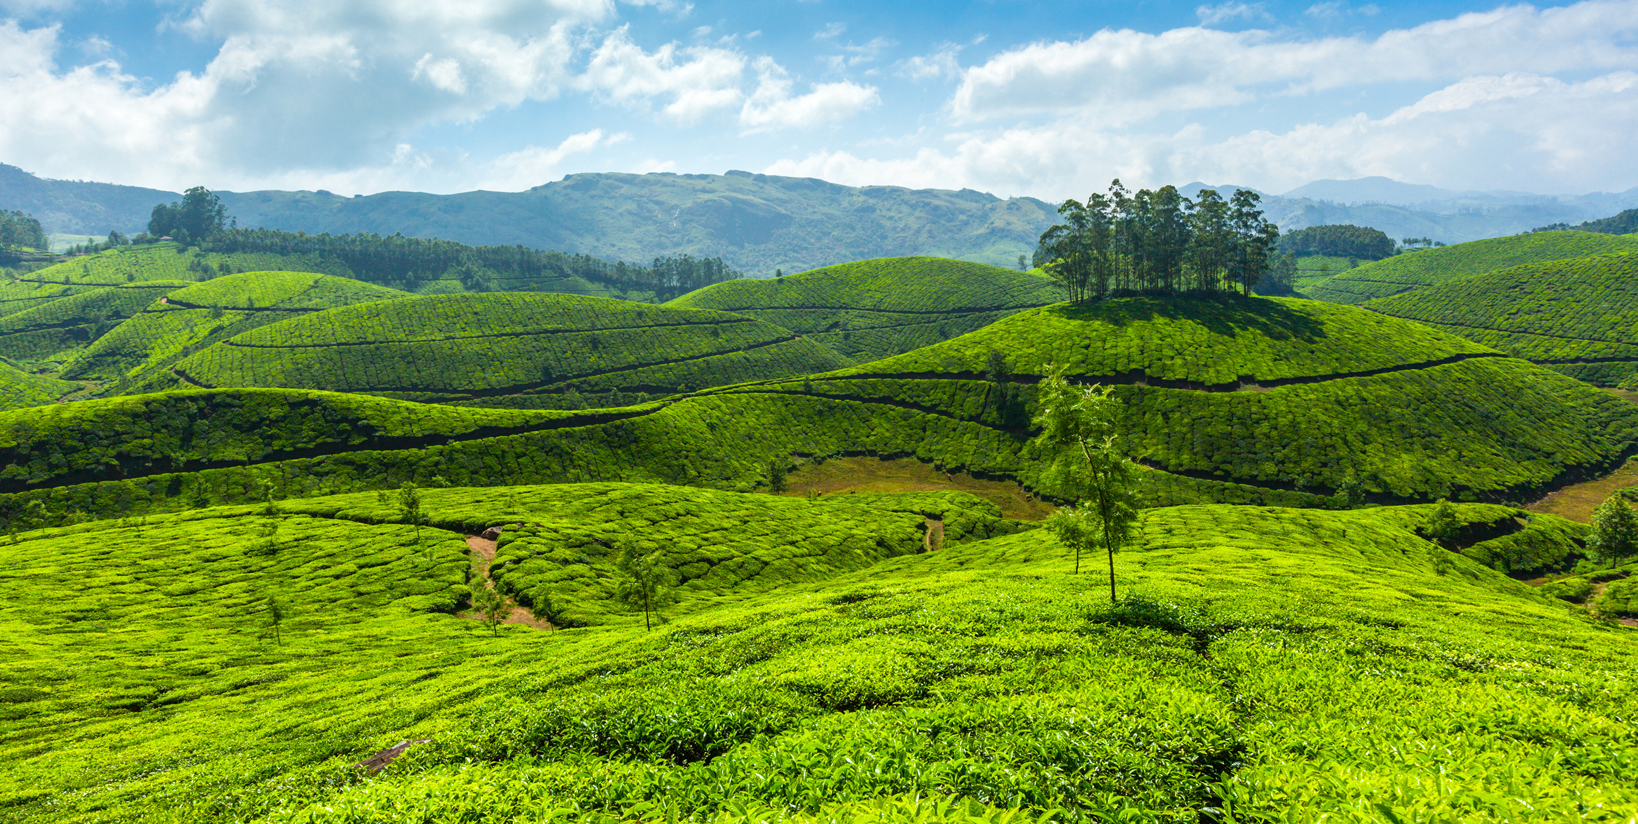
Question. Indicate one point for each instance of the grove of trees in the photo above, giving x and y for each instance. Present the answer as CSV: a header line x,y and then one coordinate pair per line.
x,y
198,216
1338,240
1157,242
18,229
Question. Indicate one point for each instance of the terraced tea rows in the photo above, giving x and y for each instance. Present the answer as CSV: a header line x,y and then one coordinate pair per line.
x,y
1292,435
509,349
1579,316
1278,663
137,355
1449,264
875,308
19,389
55,329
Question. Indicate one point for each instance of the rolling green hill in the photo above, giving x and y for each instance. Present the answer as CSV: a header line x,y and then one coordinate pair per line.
x,y
1578,316
509,349
1282,664
875,308
185,320
55,330
1436,267
1235,400
19,389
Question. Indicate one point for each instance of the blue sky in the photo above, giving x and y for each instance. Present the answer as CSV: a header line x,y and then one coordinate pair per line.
x,y
1011,97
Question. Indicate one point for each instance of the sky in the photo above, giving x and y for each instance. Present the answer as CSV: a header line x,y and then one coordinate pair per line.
x,y
1049,100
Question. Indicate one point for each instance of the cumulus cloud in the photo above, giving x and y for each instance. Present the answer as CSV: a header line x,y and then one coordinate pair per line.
x,y
934,65
773,106
1503,131
697,80
1126,76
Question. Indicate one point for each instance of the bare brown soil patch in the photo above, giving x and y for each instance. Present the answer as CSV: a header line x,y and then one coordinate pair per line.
x,y
483,554
840,476
1578,502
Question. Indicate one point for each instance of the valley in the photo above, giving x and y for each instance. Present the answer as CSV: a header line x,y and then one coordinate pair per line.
x,y
346,529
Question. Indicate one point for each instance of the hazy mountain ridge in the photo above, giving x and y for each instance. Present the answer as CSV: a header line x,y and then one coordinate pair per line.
x,y
759,223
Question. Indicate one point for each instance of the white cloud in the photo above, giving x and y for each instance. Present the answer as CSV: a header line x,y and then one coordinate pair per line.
x,y
1126,76
854,55
938,64
772,106
1210,15
535,165
830,31
698,80
1510,131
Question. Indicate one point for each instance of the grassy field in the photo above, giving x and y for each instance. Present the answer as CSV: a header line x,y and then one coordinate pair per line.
x,y
875,308
55,331
1449,264
1265,665
139,353
1577,315
869,475
510,349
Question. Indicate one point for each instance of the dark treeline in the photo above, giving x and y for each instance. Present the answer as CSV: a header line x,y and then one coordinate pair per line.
x,y
1625,223
1338,240
408,262
18,229
1157,242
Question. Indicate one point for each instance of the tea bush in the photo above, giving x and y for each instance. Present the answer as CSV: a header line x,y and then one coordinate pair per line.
x,y
54,330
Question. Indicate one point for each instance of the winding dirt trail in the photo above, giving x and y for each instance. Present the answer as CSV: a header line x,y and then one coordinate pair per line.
x,y
483,554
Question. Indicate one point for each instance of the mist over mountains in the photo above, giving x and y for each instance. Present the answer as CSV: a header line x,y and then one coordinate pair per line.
x,y
760,223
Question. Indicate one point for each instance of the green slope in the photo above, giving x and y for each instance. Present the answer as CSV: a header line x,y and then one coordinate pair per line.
x,y
1285,665
1436,267
1579,316
19,389
56,330
875,308
140,351
1367,414
509,349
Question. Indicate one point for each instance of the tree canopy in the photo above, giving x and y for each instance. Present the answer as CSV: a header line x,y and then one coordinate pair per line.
x,y
1338,240
1157,242
198,216
18,229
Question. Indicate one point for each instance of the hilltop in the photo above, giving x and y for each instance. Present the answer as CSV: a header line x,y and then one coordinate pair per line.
x,y
1579,315
186,319
509,349
871,309
1434,267
820,666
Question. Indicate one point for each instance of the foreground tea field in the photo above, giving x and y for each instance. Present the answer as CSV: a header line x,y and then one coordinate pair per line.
x,y
1265,665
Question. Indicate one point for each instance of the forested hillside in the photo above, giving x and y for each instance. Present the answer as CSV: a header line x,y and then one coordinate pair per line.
x,y
1578,316
874,308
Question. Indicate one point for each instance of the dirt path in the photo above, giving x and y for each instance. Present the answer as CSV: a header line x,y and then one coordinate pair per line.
x,y
483,554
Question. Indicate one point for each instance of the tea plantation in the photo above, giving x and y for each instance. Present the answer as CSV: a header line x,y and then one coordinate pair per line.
x,y
1436,267
19,389
1263,665
875,308
519,349
139,353
56,330
1577,316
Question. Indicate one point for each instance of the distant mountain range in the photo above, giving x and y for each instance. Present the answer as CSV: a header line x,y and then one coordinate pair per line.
x,y
760,223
